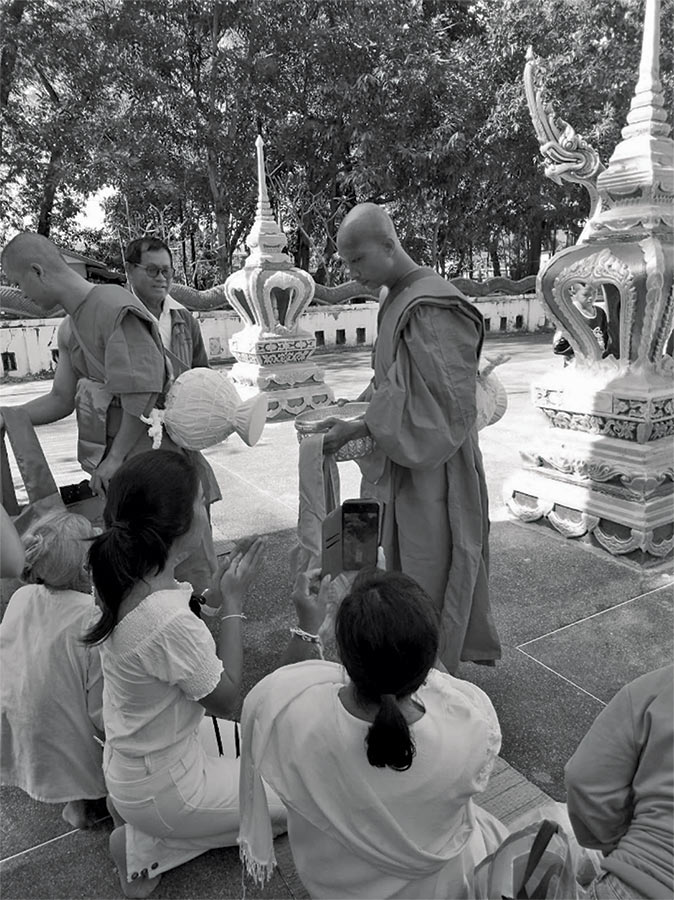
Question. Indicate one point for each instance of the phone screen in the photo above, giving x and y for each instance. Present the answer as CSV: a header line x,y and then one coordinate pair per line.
x,y
360,535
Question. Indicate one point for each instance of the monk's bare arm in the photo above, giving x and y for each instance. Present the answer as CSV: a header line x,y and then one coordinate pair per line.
x,y
11,548
130,431
60,401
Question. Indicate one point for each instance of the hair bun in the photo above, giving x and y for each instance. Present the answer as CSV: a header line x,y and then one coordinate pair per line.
x,y
33,546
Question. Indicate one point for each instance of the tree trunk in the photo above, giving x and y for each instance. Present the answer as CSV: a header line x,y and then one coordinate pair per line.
x,y
194,268
223,250
8,24
51,183
303,252
534,244
493,255
434,244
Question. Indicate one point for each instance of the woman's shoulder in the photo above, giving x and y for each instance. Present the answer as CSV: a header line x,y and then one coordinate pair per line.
x,y
452,693
175,599
156,618
59,602
297,682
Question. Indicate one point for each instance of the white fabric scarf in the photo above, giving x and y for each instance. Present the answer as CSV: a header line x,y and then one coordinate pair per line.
x,y
332,804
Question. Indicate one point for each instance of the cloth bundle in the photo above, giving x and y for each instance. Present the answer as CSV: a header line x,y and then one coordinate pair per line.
x,y
203,408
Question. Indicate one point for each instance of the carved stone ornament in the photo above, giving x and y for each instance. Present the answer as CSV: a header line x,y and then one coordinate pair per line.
x,y
568,156
637,540
571,526
612,294
270,295
280,377
635,483
292,402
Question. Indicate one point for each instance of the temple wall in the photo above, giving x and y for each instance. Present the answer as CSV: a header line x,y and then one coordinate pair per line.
x,y
29,347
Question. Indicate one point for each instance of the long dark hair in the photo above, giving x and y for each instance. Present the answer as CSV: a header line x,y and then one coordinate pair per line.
x,y
149,504
387,636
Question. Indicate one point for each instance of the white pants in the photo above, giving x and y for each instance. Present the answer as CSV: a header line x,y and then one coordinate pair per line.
x,y
177,804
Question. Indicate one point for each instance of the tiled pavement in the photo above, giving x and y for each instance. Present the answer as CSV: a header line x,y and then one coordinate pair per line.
x,y
576,625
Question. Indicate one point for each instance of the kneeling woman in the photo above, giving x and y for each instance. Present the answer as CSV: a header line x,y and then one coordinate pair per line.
x,y
378,769
172,796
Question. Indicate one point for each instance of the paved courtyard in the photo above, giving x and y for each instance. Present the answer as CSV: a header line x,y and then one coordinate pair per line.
x,y
576,625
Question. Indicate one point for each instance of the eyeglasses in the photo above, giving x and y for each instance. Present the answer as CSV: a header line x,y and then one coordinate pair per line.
x,y
153,271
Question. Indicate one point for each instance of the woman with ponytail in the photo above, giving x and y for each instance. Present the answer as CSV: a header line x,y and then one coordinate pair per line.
x,y
172,793
376,760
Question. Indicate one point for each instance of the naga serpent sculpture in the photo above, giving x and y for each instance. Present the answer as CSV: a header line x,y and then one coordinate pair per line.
x,y
14,304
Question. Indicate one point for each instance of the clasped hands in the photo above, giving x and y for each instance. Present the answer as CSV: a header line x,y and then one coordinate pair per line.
x,y
236,574
341,431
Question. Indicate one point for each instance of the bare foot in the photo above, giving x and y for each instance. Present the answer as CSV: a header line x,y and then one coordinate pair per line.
x,y
78,814
138,888
117,820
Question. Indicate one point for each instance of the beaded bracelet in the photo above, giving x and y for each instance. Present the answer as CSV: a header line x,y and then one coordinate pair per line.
x,y
309,638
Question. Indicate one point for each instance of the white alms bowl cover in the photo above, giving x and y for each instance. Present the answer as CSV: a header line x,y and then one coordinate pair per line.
x,y
492,400
203,408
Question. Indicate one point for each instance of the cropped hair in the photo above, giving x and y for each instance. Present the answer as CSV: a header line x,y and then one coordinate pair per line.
x,y
387,636
150,503
135,249
56,549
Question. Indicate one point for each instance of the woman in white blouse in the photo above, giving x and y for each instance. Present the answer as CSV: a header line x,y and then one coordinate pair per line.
x,y
172,796
377,760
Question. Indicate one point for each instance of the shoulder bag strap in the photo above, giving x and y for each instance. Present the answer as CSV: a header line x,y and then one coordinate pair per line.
x,y
30,459
97,368
546,832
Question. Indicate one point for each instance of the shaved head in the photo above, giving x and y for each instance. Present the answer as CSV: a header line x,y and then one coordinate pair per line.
x,y
368,244
38,267
367,221
28,249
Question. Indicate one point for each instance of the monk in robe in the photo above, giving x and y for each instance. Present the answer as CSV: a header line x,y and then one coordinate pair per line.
x,y
111,369
427,466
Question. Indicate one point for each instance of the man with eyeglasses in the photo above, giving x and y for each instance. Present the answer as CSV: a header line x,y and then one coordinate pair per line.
x,y
149,271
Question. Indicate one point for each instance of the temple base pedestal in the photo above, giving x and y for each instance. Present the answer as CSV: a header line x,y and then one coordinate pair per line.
x,y
614,495
290,388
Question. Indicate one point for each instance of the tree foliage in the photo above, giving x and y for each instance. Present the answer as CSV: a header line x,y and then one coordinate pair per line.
x,y
414,103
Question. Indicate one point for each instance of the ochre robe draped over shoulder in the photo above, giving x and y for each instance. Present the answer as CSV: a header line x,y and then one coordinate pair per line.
x,y
117,356
428,467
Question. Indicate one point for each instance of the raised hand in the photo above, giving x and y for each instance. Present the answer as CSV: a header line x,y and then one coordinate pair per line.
x,y
310,597
238,573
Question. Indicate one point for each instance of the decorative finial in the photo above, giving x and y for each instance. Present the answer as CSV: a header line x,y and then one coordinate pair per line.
x,y
637,188
647,113
262,195
266,240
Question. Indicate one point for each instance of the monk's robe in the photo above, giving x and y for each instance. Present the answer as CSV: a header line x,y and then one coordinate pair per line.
x,y
427,468
117,355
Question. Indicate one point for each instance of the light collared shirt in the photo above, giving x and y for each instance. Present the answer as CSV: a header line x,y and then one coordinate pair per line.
x,y
164,320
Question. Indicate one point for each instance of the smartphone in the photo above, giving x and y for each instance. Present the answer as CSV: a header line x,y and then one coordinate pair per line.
x,y
73,493
360,534
351,537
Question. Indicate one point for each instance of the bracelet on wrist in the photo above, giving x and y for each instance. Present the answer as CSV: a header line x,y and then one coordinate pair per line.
x,y
233,616
309,638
